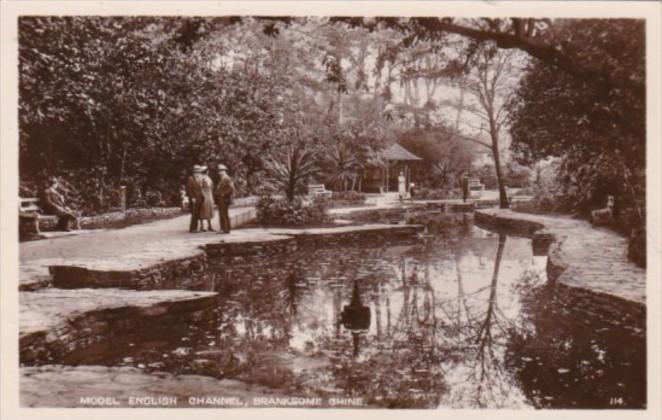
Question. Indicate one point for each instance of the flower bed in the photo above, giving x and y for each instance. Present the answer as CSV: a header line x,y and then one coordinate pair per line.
x,y
278,211
346,199
435,194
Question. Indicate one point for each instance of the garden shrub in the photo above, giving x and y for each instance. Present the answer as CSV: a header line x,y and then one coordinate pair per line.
x,y
279,211
346,198
435,194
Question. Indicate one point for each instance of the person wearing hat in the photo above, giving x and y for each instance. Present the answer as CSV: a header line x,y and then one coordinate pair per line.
x,y
224,194
207,204
54,204
464,184
195,197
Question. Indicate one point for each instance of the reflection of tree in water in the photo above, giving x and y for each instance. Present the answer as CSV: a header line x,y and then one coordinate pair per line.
x,y
473,335
397,366
421,347
493,384
468,336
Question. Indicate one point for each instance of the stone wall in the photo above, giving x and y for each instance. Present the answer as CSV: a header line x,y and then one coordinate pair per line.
x,y
164,271
119,219
371,236
188,272
114,219
264,248
517,227
131,217
579,255
79,330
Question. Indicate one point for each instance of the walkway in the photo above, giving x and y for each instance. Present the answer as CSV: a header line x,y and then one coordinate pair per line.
x,y
161,236
142,244
581,255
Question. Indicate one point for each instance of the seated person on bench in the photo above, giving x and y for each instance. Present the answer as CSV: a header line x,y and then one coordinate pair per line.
x,y
54,204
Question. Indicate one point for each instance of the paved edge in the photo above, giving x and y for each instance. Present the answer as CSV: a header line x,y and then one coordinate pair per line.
x,y
35,274
531,226
51,325
77,273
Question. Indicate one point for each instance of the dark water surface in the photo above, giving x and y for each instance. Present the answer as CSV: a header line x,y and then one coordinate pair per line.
x,y
460,317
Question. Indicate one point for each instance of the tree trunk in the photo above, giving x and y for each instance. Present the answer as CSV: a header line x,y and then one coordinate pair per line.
x,y
291,183
503,196
290,190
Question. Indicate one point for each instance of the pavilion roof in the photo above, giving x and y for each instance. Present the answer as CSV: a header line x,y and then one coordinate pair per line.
x,y
397,152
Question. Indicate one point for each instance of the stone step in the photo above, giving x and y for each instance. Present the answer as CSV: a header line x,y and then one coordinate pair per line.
x,y
55,323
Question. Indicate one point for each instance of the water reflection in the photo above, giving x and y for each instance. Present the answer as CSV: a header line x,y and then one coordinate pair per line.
x,y
356,318
451,319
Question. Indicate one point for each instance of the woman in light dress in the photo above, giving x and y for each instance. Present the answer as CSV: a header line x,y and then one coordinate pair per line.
x,y
402,189
207,205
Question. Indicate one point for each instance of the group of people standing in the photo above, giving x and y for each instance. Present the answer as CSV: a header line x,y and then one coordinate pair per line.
x,y
202,194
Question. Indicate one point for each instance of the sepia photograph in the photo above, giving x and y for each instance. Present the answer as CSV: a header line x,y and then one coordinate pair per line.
x,y
331,211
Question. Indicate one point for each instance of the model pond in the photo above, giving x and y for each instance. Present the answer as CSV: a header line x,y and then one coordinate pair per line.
x,y
459,317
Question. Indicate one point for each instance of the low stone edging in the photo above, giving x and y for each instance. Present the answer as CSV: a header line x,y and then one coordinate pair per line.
x,y
144,272
174,271
543,241
546,240
179,273
343,204
56,323
106,220
353,234
275,244
133,216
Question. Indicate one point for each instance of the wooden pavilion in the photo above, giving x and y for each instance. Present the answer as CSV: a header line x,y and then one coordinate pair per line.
x,y
394,159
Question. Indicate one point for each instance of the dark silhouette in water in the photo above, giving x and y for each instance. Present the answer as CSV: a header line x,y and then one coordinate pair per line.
x,y
356,317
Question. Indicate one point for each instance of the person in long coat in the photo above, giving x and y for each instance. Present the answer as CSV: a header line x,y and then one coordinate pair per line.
x,y
194,192
464,183
207,205
224,194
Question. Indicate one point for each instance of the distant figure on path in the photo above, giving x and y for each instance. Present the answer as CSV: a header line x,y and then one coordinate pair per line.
x,y
224,194
183,199
412,191
465,187
207,205
54,204
194,192
402,189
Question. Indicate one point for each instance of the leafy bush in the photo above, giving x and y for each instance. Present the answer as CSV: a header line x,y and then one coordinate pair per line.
x,y
341,198
279,211
435,194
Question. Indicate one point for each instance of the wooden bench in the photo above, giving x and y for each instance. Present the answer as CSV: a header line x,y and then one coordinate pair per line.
x,y
475,187
318,190
30,214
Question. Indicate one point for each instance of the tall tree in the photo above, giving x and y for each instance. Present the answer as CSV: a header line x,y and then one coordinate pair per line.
x,y
492,82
